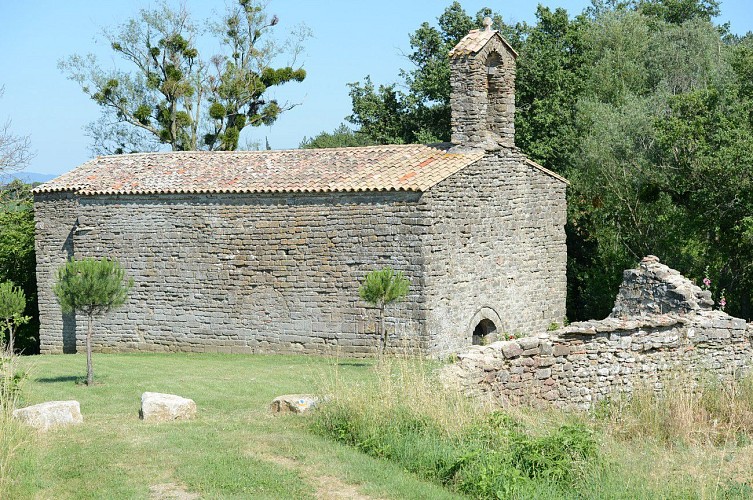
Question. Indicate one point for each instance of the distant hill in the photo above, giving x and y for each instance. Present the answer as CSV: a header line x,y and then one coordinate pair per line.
x,y
28,177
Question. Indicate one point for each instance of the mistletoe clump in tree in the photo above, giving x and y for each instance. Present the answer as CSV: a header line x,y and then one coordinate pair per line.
x,y
172,95
92,287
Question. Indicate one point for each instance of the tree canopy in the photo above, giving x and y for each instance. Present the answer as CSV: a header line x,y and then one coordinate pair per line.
x,y
381,288
17,256
341,137
93,287
421,114
644,105
168,92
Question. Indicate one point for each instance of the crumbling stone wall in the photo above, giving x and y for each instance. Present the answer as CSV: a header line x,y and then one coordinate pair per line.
x,y
661,324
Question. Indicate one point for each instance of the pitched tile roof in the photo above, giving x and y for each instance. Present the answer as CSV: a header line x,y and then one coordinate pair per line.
x,y
410,167
475,40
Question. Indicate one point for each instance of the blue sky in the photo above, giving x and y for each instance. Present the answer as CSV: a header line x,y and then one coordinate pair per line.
x,y
352,39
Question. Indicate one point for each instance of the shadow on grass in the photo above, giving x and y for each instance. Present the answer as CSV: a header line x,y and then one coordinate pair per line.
x,y
63,378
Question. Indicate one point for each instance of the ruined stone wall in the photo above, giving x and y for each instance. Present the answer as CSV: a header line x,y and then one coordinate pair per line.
x,y
234,273
586,362
496,250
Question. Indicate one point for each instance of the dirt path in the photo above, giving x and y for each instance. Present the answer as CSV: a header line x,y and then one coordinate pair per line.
x,y
327,487
171,491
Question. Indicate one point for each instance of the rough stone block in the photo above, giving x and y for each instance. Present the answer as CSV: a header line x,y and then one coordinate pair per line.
x,y
511,349
527,343
158,407
561,350
545,361
50,414
293,403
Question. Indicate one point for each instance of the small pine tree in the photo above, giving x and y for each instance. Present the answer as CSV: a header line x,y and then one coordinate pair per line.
x,y
12,306
92,287
380,288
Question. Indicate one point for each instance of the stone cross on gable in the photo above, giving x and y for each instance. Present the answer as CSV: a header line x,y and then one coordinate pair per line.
x,y
487,24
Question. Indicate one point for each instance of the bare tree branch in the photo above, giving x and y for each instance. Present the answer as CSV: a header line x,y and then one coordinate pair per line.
x,y
15,150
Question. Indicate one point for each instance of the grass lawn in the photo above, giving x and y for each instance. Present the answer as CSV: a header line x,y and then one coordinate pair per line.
x,y
233,449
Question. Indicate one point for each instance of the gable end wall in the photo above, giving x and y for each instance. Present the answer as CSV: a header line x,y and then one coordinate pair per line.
x,y
496,249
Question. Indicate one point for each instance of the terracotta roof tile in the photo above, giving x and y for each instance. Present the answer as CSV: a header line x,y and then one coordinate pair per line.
x,y
475,40
411,167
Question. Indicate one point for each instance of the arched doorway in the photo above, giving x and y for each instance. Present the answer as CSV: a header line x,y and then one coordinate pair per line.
x,y
484,332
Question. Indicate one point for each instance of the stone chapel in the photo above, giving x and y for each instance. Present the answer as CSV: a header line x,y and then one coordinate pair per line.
x,y
264,251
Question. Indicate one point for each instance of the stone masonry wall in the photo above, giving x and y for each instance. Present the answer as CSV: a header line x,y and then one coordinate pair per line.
x,y
496,251
483,97
586,362
54,245
234,273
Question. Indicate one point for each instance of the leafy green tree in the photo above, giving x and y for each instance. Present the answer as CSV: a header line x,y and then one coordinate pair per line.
x,y
173,95
380,288
341,137
12,306
92,287
679,11
388,115
630,194
17,256
644,105
551,73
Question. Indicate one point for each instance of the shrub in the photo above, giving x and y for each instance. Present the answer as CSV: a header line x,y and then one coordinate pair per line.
x,y
426,430
12,306
381,288
92,287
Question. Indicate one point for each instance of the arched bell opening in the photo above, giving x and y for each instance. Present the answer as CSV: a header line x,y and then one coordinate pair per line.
x,y
494,91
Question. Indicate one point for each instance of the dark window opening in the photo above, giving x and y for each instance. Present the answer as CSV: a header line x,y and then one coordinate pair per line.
x,y
494,94
484,332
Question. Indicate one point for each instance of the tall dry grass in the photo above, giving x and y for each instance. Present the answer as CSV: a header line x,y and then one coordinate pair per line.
x,y
13,437
685,411
404,382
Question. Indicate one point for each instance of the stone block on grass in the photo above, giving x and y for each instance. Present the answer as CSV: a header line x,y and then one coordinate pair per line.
x,y
157,407
50,414
294,403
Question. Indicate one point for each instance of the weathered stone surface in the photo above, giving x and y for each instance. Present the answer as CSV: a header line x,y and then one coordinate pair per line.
x,y
50,414
280,272
593,359
655,289
158,407
511,349
213,275
293,403
483,92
